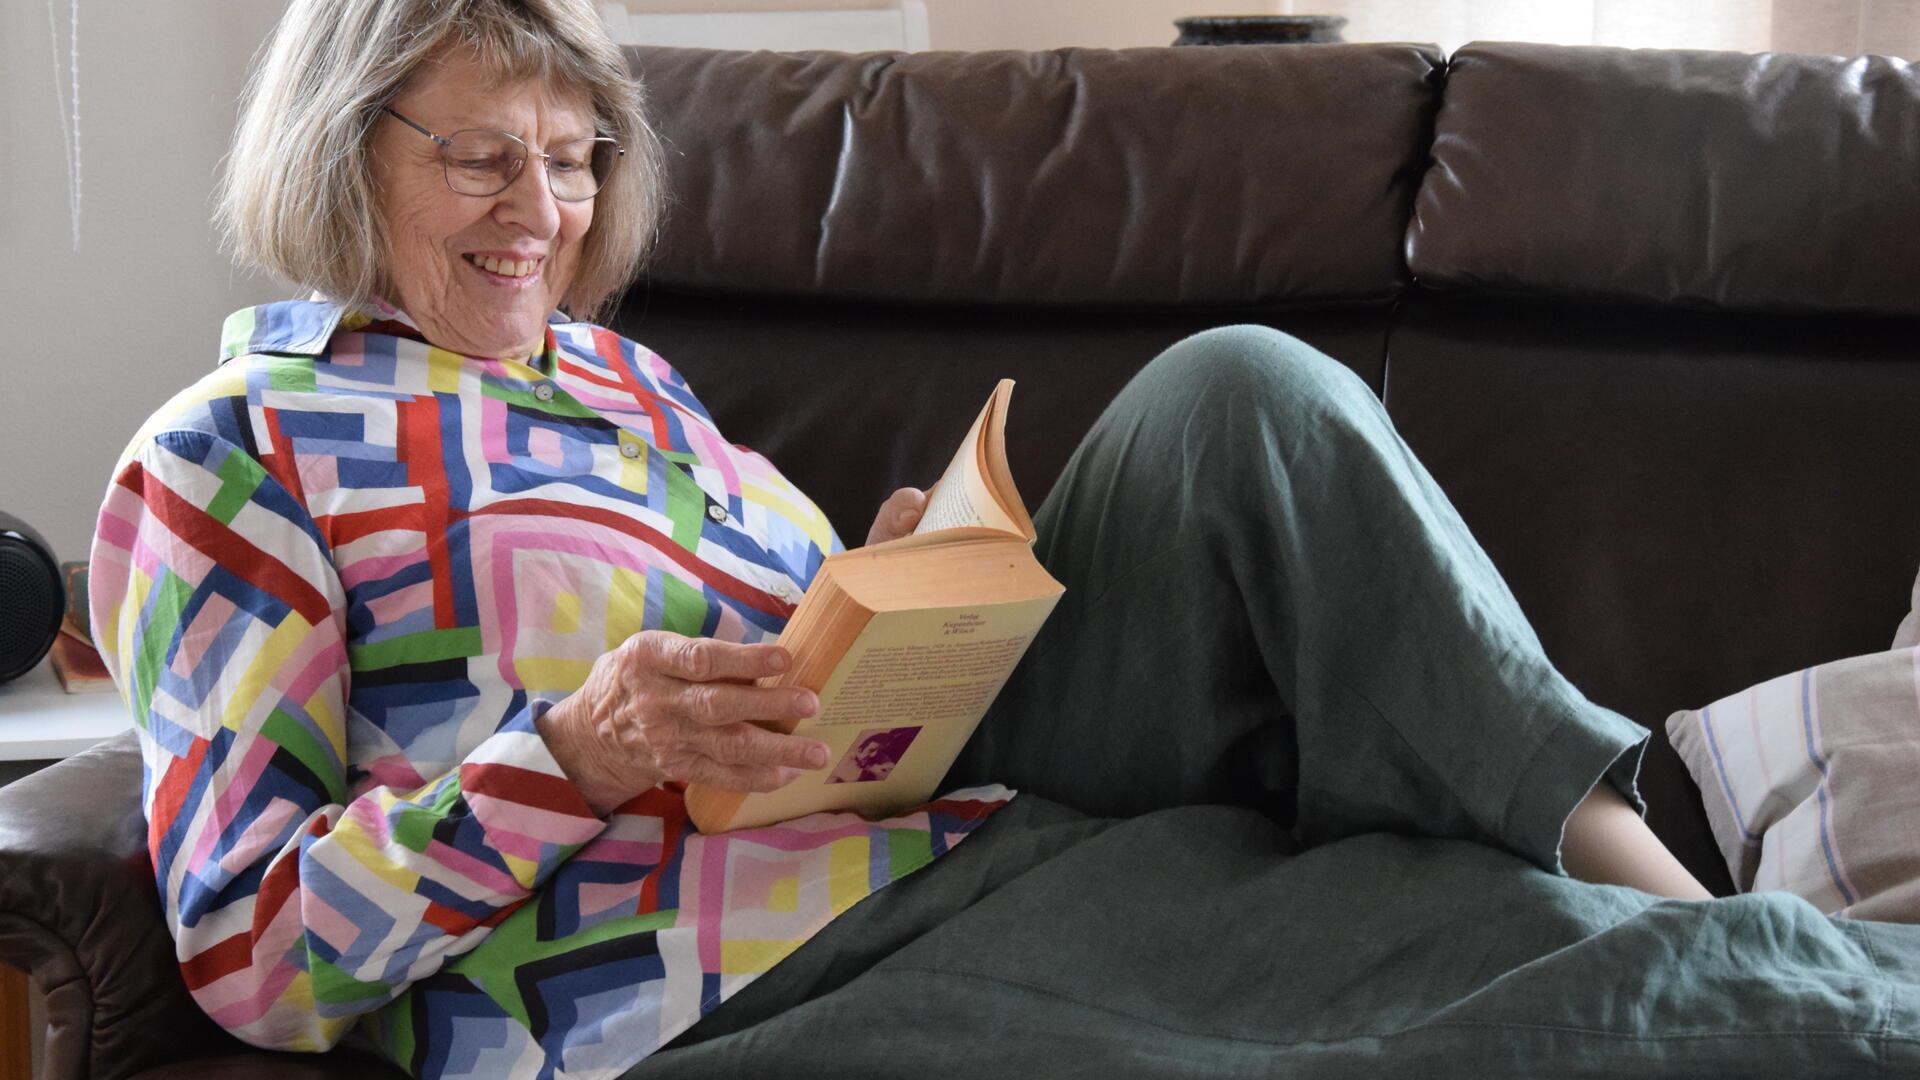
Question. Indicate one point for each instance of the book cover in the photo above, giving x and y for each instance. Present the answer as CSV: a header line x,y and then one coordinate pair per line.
x,y
77,663
907,643
74,574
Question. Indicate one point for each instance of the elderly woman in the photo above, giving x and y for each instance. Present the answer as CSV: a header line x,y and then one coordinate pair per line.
x,y
426,582
430,597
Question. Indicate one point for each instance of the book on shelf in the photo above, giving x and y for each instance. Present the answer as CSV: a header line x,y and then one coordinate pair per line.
x,y
73,657
75,576
76,662
907,643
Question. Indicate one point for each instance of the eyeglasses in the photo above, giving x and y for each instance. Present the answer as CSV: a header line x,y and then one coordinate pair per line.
x,y
482,162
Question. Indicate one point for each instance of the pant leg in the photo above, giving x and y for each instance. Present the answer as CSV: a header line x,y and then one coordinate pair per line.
x,y
1270,603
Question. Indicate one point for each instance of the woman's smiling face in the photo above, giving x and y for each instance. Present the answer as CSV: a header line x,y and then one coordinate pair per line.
x,y
440,243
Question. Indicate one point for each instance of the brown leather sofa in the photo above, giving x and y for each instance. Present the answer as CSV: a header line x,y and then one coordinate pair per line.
x,y
1650,317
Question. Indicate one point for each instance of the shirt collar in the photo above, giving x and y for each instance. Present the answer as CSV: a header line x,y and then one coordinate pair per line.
x,y
306,327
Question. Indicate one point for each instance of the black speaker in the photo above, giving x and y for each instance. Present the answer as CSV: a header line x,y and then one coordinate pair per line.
x,y
32,598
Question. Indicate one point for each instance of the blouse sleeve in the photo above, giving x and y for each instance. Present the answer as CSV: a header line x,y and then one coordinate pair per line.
x,y
294,908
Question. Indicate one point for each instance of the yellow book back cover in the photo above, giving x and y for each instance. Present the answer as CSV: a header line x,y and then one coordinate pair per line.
x,y
900,705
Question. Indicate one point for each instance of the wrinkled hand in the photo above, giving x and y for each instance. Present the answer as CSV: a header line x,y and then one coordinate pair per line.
x,y
667,707
898,515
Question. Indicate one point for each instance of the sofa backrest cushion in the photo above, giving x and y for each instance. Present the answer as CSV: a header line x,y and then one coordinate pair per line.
x,y
1229,177
1755,182
859,246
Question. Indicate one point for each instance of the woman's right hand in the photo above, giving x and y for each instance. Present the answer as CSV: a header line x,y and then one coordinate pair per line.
x,y
663,707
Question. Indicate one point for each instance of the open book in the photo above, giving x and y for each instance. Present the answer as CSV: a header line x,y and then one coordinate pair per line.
x,y
907,643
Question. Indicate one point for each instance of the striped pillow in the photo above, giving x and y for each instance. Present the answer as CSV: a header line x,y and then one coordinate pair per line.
x,y
1812,782
1909,633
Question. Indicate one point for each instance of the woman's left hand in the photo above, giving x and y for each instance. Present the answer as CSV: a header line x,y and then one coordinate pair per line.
x,y
898,515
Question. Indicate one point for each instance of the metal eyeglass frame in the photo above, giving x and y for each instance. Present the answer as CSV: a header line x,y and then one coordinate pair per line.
x,y
546,159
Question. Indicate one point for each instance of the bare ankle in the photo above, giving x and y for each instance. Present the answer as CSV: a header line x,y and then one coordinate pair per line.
x,y
1607,843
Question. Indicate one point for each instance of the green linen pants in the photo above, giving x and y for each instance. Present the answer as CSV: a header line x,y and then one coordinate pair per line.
x,y
1291,765
1271,604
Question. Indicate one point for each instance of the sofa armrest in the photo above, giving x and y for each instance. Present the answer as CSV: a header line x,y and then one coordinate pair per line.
x,y
80,914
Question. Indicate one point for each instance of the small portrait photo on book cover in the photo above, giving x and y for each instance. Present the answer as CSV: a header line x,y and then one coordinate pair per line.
x,y
873,755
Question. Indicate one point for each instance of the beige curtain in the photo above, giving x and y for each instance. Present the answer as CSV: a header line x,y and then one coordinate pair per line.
x,y
1847,27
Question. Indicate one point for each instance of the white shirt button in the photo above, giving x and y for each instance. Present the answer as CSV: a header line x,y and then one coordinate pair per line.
x,y
544,392
630,450
717,512
782,591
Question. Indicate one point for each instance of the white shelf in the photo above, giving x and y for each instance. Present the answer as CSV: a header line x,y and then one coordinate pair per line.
x,y
41,722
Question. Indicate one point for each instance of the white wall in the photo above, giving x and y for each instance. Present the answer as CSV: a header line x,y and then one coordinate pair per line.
x,y
96,339
1818,26
1107,24
1014,24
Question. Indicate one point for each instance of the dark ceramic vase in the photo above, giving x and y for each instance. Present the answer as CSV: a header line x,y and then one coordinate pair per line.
x,y
1258,29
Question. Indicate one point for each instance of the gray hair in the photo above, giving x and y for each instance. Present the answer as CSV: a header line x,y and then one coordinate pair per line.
x,y
297,197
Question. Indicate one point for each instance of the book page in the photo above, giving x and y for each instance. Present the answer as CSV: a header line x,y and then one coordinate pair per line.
x,y
901,704
950,505
964,494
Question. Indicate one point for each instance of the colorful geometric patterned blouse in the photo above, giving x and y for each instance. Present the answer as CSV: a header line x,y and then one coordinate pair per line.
x,y
338,580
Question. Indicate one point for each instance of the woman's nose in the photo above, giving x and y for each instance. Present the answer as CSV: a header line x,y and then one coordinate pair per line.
x,y
529,202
